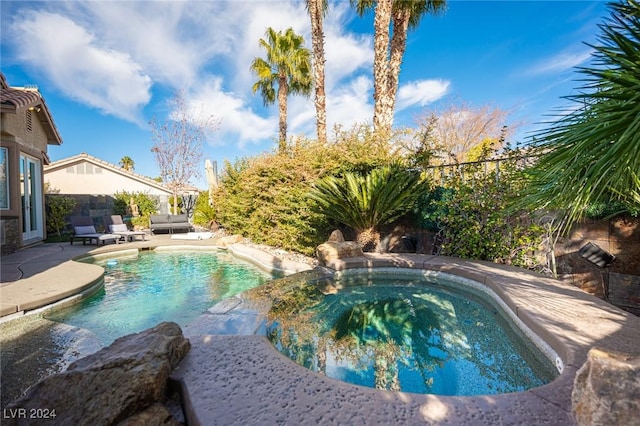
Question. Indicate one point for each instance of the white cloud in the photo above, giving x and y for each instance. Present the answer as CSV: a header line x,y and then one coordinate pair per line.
x,y
238,122
347,54
420,93
351,103
109,55
561,62
75,61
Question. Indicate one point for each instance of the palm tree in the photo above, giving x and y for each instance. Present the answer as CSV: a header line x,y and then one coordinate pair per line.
x,y
127,163
389,48
287,65
593,153
364,202
317,10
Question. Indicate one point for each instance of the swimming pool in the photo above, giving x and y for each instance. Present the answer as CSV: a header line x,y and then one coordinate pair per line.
x,y
407,332
139,292
143,290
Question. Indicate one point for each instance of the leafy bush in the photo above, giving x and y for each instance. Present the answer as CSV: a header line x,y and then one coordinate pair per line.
x,y
203,213
602,209
146,203
265,198
58,208
478,223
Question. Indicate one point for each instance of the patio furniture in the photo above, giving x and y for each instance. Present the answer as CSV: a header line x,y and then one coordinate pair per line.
x,y
84,229
116,225
169,223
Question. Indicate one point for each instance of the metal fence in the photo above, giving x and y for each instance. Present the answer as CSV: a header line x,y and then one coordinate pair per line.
x,y
473,170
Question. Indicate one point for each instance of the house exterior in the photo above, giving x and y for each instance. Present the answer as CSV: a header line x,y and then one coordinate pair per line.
x,y
26,130
92,182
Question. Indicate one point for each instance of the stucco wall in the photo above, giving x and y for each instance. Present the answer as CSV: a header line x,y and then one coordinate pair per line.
x,y
18,139
16,125
88,178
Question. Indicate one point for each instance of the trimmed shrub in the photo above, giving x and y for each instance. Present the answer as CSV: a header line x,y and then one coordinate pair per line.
x,y
265,198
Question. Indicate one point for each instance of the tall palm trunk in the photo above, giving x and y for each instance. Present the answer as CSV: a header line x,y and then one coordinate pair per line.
x,y
282,104
316,12
400,21
382,108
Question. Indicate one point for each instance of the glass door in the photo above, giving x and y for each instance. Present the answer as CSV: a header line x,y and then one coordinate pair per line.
x,y
31,191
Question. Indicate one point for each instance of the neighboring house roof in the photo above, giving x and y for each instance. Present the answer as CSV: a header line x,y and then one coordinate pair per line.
x,y
66,162
16,99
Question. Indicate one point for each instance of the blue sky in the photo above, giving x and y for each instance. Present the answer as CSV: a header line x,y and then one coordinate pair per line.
x,y
106,68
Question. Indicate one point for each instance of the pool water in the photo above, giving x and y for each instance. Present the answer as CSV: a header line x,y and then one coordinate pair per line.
x,y
139,292
142,291
410,335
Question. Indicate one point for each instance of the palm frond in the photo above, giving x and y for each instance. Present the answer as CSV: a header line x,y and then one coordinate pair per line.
x,y
370,200
594,151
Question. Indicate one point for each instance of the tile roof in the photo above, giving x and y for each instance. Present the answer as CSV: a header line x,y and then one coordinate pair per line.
x,y
15,99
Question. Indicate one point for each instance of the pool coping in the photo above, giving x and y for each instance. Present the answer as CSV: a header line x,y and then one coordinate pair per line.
x,y
233,375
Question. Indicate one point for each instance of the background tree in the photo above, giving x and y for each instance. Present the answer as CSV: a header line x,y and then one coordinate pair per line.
x,y
454,133
389,47
593,153
317,10
178,144
127,163
287,64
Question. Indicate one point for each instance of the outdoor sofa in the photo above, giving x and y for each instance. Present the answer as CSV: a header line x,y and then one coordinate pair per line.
x,y
169,223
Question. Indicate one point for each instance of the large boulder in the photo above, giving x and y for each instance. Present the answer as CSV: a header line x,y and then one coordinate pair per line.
x,y
332,250
606,390
110,386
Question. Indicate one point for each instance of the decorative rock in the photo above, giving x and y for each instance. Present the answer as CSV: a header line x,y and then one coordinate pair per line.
x,y
337,250
157,414
606,390
229,239
112,384
336,237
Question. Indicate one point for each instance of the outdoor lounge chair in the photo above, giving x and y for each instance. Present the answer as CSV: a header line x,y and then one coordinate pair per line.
x,y
115,225
83,229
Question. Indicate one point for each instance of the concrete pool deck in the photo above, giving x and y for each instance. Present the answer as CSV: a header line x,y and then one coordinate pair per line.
x,y
233,375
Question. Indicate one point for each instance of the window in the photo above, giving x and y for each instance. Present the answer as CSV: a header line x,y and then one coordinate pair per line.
x,y
71,170
4,178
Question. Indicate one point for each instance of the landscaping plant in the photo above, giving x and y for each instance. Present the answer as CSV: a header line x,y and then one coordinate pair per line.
x,y
58,207
476,220
366,201
592,154
147,205
265,198
204,214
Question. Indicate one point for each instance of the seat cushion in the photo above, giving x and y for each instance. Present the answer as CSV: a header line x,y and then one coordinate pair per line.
x,y
179,218
82,230
118,228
